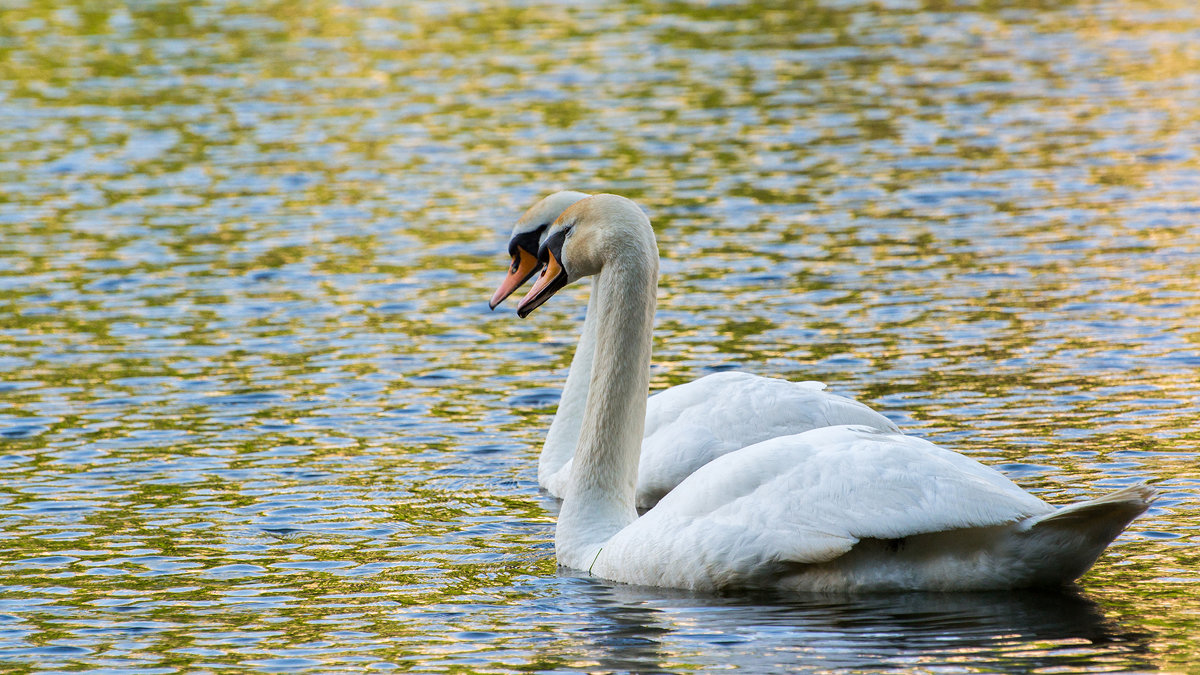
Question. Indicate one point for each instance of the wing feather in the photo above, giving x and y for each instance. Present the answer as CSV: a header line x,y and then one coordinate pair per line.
x,y
810,498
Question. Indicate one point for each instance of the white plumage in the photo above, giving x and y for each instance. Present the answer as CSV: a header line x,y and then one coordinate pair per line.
x,y
691,424
842,508
850,508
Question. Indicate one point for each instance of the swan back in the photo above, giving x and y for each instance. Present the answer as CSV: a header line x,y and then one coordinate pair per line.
x,y
694,423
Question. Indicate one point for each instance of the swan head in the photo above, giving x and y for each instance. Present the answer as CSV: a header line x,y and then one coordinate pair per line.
x,y
590,234
527,236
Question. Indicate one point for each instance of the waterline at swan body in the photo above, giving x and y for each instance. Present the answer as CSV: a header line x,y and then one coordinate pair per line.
x,y
842,508
686,426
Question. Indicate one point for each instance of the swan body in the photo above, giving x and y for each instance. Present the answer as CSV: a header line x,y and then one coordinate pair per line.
x,y
853,509
841,508
687,425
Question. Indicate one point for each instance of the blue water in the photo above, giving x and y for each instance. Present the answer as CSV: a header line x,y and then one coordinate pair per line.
x,y
255,414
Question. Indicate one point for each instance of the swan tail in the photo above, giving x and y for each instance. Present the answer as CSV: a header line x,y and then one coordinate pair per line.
x,y
1116,509
1074,536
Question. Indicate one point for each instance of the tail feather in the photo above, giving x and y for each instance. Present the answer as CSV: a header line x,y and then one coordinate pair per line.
x,y
1118,507
1080,532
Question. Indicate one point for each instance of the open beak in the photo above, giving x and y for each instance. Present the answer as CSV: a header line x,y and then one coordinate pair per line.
x,y
524,265
553,278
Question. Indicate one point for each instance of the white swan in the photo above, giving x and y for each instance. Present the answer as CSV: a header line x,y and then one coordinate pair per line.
x,y
688,425
840,508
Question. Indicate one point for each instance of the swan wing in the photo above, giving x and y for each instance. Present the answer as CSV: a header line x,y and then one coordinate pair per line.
x,y
808,498
666,406
697,422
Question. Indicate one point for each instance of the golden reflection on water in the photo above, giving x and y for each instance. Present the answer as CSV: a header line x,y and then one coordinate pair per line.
x,y
254,408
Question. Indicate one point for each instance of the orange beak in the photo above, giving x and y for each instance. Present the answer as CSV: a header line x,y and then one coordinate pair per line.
x,y
553,278
524,265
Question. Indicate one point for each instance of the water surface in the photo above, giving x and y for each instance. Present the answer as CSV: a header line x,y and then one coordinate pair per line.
x,y
254,412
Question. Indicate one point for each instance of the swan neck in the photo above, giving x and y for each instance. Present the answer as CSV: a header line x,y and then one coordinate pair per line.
x,y
600,497
563,434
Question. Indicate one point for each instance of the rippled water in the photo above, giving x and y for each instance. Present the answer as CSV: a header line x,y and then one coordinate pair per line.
x,y
255,414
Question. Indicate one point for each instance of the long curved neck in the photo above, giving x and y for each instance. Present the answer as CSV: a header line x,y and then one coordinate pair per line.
x,y
563,435
600,499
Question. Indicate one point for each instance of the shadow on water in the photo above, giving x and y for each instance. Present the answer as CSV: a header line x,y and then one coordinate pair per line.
x,y
648,630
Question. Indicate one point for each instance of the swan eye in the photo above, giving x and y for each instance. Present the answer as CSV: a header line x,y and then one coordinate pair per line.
x,y
553,244
565,233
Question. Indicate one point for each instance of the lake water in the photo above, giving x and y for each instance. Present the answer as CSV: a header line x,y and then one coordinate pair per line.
x,y
256,416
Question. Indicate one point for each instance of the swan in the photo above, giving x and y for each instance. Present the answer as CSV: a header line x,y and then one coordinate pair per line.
x,y
687,425
835,509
